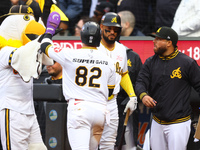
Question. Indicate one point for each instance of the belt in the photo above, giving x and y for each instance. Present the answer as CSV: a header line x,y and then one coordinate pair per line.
x,y
172,121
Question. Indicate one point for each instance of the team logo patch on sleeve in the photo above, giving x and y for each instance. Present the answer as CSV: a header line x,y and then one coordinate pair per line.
x,y
57,49
129,63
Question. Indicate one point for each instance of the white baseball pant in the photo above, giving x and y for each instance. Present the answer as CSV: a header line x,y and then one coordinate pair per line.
x,y
170,137
18,130
109,135
85,122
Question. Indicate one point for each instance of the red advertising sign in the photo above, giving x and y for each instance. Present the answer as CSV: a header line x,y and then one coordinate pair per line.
x,y
143,47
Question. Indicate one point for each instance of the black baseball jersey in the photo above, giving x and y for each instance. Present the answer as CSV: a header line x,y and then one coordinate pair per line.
x,y
168,80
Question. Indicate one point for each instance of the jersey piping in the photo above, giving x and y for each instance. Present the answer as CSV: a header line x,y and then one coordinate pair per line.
x,y
7,125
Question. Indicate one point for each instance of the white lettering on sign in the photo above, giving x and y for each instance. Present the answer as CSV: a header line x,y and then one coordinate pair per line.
x,y
61,45
192,52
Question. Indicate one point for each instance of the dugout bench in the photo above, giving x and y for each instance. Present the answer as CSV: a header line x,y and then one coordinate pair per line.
x,y
51,97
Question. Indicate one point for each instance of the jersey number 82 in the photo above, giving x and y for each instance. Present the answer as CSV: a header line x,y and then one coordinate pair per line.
x,y
82,73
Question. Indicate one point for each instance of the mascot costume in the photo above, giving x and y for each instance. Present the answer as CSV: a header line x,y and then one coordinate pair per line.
x,y
20,62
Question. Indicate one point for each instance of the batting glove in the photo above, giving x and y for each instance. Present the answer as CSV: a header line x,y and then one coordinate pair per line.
x,y
53,22
132,105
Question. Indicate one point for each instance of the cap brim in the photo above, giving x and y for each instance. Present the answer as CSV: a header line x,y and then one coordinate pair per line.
x,y
155,35
152,35
112,25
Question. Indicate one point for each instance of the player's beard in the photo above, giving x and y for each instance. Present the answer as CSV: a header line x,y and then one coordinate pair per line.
x,y
108,40
160,51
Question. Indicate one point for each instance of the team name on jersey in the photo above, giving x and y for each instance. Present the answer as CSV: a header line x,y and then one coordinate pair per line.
x,y
89,61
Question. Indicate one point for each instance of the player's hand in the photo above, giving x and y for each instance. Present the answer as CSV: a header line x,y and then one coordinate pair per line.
x,y
53,23
148,101
132,105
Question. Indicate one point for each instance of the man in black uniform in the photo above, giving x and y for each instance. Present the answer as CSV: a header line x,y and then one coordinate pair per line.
x,y
164,84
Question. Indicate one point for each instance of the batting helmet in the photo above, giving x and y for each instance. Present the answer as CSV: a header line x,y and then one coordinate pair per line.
x,y
111,19
90,34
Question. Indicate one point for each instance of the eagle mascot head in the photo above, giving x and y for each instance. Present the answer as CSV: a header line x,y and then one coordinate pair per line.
x,y
19,27
19,33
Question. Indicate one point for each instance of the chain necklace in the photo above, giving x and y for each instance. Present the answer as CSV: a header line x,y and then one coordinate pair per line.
x,y
108,52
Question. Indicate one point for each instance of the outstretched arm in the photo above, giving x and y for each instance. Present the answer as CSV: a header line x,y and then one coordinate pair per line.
x,y
52,24
128,87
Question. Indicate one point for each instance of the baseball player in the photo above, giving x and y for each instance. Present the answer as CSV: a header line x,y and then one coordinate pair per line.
x,y
87,76
111,28
18,122
164,84
131,134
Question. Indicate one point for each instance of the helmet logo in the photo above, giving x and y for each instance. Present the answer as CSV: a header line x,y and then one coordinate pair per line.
x,y
90,39
159,30
114,20
29,10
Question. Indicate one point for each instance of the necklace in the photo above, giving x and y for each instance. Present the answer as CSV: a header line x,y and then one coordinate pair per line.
x,y
108,52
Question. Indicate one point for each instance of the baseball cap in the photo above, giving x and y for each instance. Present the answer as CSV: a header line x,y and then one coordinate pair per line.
x,y
16,10
168,34
104,7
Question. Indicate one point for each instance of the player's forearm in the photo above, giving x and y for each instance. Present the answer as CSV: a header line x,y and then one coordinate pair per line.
x,y
127,85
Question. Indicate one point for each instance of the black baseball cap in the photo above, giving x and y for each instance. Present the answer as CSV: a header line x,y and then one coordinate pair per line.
x,y
104,7
168,34
16,10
